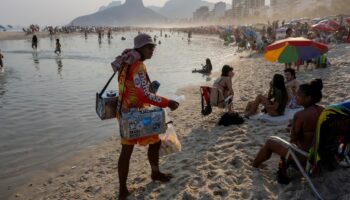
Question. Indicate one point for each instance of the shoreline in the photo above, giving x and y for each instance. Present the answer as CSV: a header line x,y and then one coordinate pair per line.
x,y
21,35
214,162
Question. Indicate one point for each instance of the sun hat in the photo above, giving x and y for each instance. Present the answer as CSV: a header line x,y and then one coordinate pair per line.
x,y
142,39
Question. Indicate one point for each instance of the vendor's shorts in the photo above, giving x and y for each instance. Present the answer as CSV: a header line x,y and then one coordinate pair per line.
x,y
141,141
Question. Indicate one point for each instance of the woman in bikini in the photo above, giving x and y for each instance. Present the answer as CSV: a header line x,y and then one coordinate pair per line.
x,y
303,126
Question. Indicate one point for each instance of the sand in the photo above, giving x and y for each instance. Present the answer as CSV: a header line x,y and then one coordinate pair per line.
x,y
215,160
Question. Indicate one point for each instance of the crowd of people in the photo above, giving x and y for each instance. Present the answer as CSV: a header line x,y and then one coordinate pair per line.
x,y
285,92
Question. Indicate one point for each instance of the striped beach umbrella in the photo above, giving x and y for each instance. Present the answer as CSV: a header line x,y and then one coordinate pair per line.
x,y
294,49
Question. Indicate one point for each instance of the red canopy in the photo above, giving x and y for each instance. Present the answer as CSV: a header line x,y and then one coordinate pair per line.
x,y
348,20
331,23
323,27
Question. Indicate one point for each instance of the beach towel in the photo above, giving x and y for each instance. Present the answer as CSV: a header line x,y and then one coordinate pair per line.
x,y
332,143
129,56
283,119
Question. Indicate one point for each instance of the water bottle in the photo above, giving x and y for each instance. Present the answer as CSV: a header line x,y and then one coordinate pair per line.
x,y
154,86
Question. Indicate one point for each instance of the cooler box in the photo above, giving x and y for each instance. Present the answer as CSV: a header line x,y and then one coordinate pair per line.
x,y
106,104
142,122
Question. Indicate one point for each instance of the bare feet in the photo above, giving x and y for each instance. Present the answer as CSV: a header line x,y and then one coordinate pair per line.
x,y
255,165
159,176
123,194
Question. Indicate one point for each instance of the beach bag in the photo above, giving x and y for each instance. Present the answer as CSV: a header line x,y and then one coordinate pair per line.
x,y
231,118
106,102
170,142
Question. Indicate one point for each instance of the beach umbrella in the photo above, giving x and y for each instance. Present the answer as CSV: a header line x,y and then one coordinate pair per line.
x,y
323,27
293,49
331,23
348,20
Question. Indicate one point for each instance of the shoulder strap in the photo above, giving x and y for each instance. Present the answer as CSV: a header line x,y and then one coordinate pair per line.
x,y
120,104
105,87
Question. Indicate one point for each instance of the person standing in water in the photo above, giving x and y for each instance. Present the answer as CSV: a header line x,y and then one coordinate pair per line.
x,y
1,63
58,47
34,42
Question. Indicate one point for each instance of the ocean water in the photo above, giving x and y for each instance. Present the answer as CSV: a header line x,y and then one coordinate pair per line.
x,y
47,102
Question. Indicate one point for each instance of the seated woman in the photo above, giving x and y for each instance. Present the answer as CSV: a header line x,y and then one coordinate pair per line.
x,y
292,85
224,84
206,69
276,101
303,126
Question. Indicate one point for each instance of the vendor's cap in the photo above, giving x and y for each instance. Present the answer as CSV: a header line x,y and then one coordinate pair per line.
x,y
142,39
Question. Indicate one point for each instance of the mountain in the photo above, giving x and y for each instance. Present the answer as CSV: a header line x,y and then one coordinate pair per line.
x,y
179,9
110,5
131,13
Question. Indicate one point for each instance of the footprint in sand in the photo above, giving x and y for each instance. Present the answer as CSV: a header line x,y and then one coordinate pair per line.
x,y
236,162
196,183
211,157
218,189
211,174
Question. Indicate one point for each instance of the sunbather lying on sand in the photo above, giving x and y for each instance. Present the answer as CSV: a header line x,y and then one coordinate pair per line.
x,y
303,126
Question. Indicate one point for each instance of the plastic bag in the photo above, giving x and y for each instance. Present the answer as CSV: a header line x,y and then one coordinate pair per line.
x,y
170,142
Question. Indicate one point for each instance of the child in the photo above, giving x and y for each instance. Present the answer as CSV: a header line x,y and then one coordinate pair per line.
x,y
34,42
58,47
1,63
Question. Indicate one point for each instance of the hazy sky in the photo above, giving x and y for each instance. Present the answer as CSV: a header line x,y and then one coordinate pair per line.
x,y
55,12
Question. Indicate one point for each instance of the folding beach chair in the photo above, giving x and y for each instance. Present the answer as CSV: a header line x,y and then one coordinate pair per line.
x,y
213,97
331,146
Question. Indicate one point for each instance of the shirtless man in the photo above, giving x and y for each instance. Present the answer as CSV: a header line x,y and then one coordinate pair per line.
x,y
304,123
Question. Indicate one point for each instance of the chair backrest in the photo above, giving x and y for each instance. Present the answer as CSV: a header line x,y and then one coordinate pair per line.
x,y
332,142
205,100
217,97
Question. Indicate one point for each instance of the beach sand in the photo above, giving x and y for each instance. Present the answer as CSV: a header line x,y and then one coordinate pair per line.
x,y
215,160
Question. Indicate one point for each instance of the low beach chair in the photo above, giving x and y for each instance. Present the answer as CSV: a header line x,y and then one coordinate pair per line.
x,y
331,146
213,97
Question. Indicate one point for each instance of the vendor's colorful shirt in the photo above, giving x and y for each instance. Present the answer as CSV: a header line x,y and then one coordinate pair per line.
x,y
134,89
